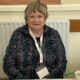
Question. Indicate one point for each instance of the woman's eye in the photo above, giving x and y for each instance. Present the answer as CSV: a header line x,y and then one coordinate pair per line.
x,y
39,16
36,16
31,16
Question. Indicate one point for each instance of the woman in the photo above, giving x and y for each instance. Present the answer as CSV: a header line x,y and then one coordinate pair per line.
x,y
35,48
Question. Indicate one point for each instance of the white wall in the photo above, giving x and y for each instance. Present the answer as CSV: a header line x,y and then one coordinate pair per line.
x,y
55,12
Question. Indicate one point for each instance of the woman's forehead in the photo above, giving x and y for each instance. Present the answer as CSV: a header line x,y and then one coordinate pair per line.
x,y
36,12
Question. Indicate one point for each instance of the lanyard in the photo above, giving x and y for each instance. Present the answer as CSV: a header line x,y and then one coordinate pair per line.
x,y
37,45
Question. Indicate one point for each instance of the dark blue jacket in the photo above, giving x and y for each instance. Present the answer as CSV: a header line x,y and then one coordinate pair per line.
x,y
22,57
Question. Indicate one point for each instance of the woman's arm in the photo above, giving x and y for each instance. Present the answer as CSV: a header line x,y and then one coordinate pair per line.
x,y
10,58
61,61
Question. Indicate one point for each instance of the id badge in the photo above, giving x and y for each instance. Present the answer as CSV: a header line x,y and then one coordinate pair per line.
x,y
42,71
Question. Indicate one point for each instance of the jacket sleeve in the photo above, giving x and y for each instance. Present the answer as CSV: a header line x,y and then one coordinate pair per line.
x,y
61,61
9,60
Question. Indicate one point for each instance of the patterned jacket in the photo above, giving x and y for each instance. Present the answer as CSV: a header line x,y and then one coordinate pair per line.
x,y
22,57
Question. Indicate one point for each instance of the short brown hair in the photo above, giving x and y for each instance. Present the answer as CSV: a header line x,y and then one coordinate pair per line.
x,y
36,6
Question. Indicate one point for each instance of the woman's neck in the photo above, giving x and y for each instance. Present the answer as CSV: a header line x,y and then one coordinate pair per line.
x,y
37,33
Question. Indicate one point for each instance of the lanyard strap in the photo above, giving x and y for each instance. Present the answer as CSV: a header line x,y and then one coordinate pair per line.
x,y
37,45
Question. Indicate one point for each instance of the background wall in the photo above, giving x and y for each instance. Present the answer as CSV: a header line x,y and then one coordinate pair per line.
x,y
20,2
71,1
67,10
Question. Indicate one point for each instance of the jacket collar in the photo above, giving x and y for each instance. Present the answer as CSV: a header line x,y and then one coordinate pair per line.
x,y
25,29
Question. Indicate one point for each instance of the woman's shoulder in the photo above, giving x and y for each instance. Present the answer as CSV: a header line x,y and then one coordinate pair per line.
x,y
53,33
51,30
19,30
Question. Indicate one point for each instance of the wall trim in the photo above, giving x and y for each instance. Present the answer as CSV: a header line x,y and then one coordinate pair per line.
x,y
63,7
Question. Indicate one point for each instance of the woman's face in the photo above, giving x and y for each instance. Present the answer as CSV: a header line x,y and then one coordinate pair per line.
x,y
36,20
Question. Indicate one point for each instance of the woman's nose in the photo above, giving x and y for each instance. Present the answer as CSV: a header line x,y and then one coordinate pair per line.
x,y
36,19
